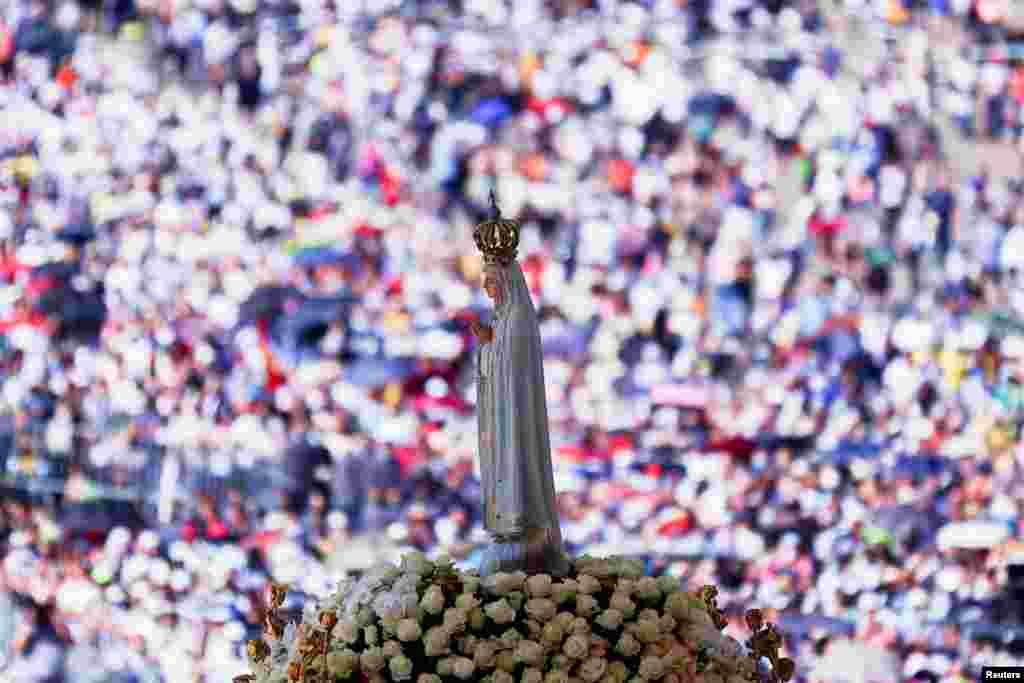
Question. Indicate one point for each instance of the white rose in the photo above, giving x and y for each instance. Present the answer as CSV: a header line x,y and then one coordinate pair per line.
x,y
510,637
618,670
593,566
678,605
625,586
445,666
593,668
467,645
408,630
586,605
467,601
505,661
610,619
565,590
401,668
669,584
433,600
646,631
621,602
500,612
675,661
648,615
539,586
503,583
700,617
485,653
576,646
588,584
560,662
647,588
532,675
346,631
416,563
580,626
463,668
389,625
552,633
436,641
391,649
455,619
534,628
541,609
628,646
341,664
529,652
516,599
428,678
371,660
651,668
667,623
557,677
500,676
370,635
632,568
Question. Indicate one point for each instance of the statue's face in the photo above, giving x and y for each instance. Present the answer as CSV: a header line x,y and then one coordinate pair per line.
x,y
492,289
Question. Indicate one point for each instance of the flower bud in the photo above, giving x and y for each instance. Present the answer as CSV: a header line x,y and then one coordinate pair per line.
x,y
754,619
274,626
328,618
278,592
257,650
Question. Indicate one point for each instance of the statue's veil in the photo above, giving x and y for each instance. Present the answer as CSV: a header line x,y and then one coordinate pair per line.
x,y
512,285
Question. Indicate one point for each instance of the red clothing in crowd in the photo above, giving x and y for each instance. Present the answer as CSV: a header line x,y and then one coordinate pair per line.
x,y
32,319
409,457
533,273
276,378
11,267
6,43
820,227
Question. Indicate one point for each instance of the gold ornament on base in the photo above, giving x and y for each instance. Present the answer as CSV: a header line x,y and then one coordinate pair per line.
x,y
766,642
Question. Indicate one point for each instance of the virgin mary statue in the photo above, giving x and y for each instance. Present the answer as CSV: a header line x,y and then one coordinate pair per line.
x,y
514,448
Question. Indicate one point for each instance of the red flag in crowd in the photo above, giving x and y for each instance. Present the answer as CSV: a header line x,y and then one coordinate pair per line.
x,y
275,377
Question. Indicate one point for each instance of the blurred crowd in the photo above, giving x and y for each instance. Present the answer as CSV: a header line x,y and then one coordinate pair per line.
x,y
781,330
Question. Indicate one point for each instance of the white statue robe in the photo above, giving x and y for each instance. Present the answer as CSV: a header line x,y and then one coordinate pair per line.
x,y
515,452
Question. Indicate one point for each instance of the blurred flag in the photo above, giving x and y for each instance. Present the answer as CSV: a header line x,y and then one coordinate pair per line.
x,y
690,395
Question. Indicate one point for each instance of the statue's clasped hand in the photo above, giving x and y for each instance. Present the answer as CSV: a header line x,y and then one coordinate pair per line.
x,y
482,332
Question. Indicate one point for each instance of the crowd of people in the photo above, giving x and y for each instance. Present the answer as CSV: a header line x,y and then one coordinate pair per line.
x,y
780,328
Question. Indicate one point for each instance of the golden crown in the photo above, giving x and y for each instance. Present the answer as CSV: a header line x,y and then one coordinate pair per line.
x,y
497,238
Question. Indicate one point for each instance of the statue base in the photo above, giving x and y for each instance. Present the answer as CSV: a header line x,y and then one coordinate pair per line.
x,y
684,629
534,551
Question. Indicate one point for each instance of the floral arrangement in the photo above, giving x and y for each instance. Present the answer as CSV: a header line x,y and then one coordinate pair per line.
x,y
428,622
